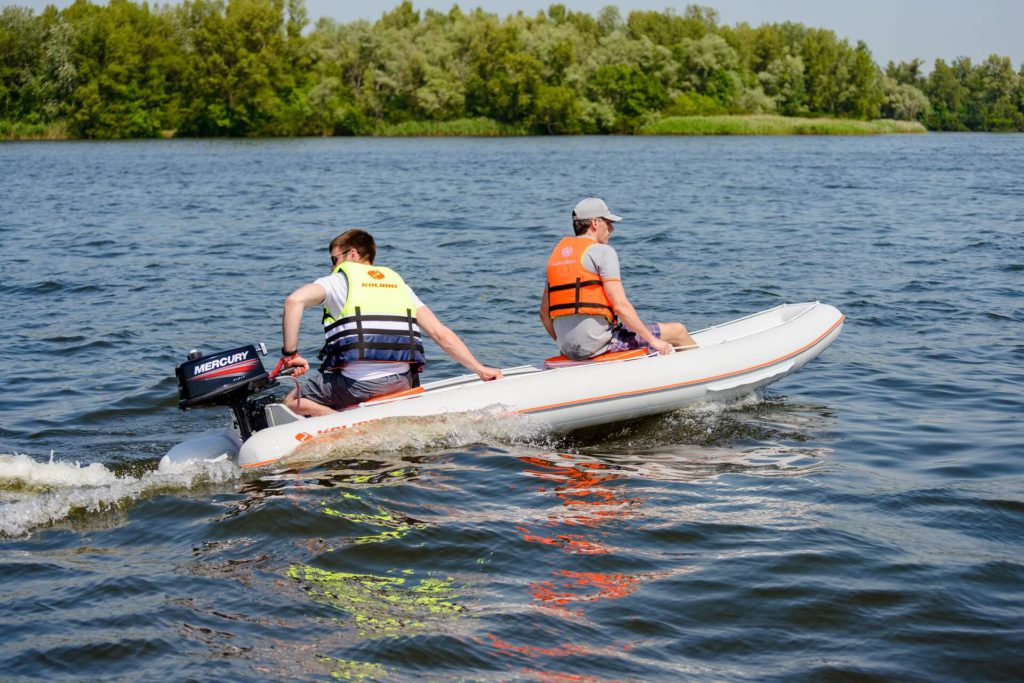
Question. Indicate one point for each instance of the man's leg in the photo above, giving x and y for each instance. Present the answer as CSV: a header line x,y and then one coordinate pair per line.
x,y
676,335
331,392
305,406
323,394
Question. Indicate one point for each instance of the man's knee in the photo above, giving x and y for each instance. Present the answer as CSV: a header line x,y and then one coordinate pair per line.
x,y
669,330
674,333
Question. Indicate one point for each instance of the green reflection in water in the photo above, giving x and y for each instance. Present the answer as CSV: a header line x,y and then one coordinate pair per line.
x,y
382,606
394,525
346,670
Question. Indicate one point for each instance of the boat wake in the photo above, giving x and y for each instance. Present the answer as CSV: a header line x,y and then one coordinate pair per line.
x,y
37,494
398,435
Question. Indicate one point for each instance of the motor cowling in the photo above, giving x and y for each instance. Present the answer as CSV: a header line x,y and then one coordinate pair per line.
x,y
220,378
228,378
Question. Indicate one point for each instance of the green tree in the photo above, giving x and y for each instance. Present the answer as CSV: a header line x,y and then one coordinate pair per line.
x,y
58,75
904,102
667,28
630,91
504,79
994,88
127,63
862,95
236,80
609,21
708,66
783,82
907,73
556,110
947,95
23,41
824,71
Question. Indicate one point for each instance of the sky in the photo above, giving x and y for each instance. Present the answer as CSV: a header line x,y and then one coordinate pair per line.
x,y
897,30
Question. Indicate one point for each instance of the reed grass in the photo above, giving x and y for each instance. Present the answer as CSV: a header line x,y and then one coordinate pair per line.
x,y
478,127
761,124
483,127
18,130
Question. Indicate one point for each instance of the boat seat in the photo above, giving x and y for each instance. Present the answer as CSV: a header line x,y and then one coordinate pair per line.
x,y
563,362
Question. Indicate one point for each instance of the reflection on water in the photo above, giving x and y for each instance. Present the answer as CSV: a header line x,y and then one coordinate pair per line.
x,y
397,604
392,525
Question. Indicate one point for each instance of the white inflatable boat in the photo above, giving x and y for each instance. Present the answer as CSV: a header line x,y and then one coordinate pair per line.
x,y
732,359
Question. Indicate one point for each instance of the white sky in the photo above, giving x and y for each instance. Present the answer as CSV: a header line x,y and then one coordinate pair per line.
x,y
893,29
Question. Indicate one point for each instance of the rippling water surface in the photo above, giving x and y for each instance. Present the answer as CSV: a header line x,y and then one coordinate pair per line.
x,y
862,520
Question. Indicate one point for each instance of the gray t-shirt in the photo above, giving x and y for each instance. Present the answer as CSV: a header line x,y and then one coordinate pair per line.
x,y
585,336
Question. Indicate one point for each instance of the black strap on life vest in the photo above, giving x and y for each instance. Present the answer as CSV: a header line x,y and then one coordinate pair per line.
x,y
413,367
577,304
359,333
364,328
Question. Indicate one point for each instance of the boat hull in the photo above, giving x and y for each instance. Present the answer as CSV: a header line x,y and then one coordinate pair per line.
x,y
733,359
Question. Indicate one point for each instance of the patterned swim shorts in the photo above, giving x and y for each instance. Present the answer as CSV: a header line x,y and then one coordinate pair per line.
x,y
624,339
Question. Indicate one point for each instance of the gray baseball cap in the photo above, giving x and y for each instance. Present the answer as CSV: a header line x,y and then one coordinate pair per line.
x,y
592,207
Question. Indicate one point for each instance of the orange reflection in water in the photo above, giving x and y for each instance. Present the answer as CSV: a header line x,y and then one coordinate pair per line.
x,y
585,587
566,650
590,503
587,501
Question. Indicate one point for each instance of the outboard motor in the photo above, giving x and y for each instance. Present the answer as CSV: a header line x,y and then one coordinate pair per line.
x,y
228,378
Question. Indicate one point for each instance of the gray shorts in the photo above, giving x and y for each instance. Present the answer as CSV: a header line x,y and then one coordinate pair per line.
x,y
337,391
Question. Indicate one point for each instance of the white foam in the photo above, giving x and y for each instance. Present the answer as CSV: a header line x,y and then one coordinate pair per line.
x,y
397,434
34,494
22,468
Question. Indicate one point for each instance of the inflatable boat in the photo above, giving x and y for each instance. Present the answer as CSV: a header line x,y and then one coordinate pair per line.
x,y
731,360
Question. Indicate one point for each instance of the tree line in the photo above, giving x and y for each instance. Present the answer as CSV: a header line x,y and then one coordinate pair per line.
x,y
256,68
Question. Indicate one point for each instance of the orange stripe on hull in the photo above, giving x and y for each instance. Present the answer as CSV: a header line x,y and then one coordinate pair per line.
x,y
259,464
652,390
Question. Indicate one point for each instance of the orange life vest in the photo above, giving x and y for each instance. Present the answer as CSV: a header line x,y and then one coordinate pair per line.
x,y
571,287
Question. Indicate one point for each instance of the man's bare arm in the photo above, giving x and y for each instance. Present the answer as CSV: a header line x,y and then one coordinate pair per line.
x,y
452,344
545,314
627,314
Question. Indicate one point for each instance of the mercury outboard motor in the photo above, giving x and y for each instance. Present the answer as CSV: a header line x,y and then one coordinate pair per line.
x,y
228,378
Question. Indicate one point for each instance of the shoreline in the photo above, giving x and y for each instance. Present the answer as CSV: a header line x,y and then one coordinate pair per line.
x,y
745,124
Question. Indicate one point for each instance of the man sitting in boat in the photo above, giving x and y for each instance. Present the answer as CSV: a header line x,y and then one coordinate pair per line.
x,y
372,321
584,307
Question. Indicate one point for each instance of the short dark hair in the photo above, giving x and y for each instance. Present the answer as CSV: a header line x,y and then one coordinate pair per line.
x,y
357,239
581,225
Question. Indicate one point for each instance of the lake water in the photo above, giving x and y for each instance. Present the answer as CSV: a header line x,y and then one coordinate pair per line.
x,y
862,520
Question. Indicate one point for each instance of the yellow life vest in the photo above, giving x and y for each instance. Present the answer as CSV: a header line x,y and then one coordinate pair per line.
x,y
377,322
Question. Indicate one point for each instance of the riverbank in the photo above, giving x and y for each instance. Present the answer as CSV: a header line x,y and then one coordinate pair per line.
x,y
476,127
751,124
776,125
33,131
484,127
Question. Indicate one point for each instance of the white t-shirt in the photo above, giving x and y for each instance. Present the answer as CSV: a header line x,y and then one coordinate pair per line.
x,y
336,286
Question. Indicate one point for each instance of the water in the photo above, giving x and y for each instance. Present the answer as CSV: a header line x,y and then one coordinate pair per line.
x,y
862,520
